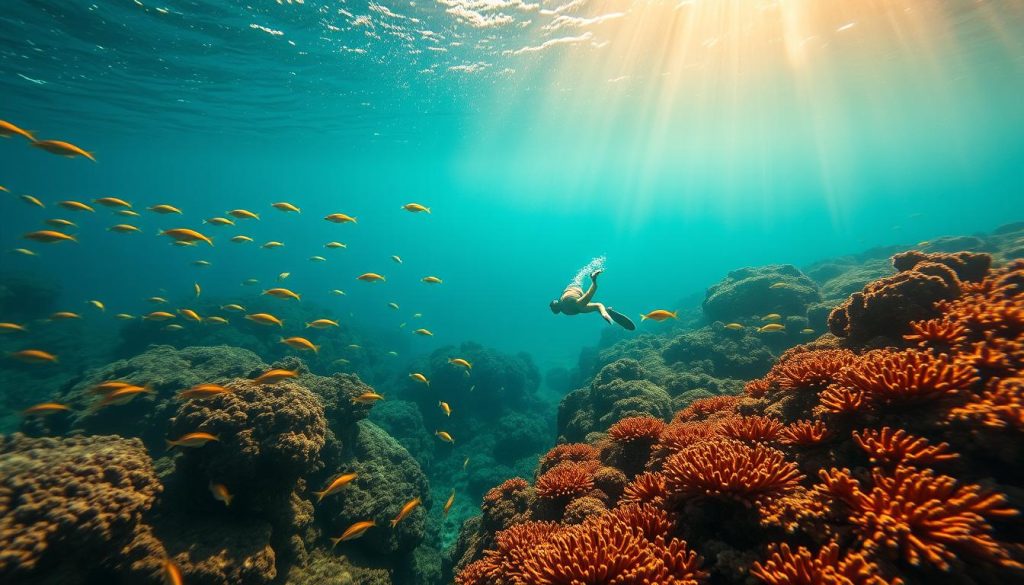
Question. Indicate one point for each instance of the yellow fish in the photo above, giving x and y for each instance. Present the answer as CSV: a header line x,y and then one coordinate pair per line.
x,y
217,320
334,245
10,327
807,331
57,222
771,327
397,259
284,206
444,436
61,148
63,315
164,209
393,306
465,463
49,237
182,243
659,315
123,228
158,316
317,259
128,212
197,439
24,252
445,407
220,493
198,289
276,375
300,343
772,317
283,275
733,326
241,239
367,398
250,282
431,280
265,319
415,208
172,574
45,409
335,486
174,327
202,391
125,316
272,244
186,235
111,202
191,315
354,346
448,504
7,130
76,206
322,324
282,293
370,277
157,300
338,293
420,378
340,218
779,285
353,532
460,362
34,356
219,221
98,304
424,332
124,395
32,200
109,386
243,214
407,509
233,307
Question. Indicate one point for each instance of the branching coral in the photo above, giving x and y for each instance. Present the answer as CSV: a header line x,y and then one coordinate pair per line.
x,y
813,370
704,408
1001,406
937,334
920,517
805,432
637,428
755,429
646,488
842,400
730,470
908,378
512,546
802,567
891,448
565,480
568,452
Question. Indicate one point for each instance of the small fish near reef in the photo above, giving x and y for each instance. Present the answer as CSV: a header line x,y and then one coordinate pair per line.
x,y
335,486
171,573
424,332
322,324
61,148
432,280
353,532
462,363
445,407
367,398
265,319
45,409
276,375
733,326
192,440
340,218
659,315
444,436
220,493
418,377
772,317
282,293
448,505
49,237
286,207
164,209
416,208
34,356
772,328
186,235
370,277
301,344
407,509
200,391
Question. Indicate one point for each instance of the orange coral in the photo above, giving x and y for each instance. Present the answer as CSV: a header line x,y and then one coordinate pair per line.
x,y
757,388
611,549
637,428
729,469
920,517
566,479
751,428
1001,406
645,488
908,378
936,334
568,452
502,564
703,408
801,567
811,369
677,436
842,400
805,432
508,486
891,448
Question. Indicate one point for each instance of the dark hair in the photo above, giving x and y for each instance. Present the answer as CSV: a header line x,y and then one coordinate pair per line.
x,y
553,305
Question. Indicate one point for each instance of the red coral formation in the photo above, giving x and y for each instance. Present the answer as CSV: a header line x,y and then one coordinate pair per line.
x,y
801,567
813,370
568,452
891,448
730,470
908,378
677,436
613,549
757,388
512,546
755,429
704,408
1000,407
920,517
805,433
938,334
637,428
842,400
968,266
565,480
646,488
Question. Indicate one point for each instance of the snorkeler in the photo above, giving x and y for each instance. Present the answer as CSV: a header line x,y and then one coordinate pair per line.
x,y
574,301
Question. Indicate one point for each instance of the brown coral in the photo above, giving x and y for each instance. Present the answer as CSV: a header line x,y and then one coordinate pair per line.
x,y
805,433
968,266
565,480
920,517
890,448
801,567
636,428
730,470
754,429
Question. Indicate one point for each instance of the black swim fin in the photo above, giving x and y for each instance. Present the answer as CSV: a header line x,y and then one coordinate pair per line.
x,y
621,319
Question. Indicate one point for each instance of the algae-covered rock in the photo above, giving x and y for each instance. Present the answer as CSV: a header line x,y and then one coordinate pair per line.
x,y
776,288
618,391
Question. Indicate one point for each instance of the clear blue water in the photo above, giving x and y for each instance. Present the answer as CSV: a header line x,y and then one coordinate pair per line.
x,y
681,140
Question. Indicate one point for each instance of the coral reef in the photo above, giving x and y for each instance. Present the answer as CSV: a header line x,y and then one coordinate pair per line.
x,y
748,292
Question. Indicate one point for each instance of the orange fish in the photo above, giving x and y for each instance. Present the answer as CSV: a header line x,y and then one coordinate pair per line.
x,y
34,356
109,386
282,293
33,200
406,510
59,147
64,315
243,214
340,218
353,532
432,280
186,235
367,398
301,344
191,315
285,206
415,208
7,130
10,327
197,439
444,436
44,409
172,574
420,378
203,391
424,332
445,407
370,277
49,237
448,504
272,376
112,202
265,319
158,316
659,315
124,395
460,362
76,206
220,493
335,486
164,209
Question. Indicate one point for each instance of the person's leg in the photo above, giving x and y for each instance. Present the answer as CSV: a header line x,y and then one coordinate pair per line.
x,y
599,307
587,296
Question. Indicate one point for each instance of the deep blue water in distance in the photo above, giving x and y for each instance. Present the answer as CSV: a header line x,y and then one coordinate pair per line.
x,y
693,169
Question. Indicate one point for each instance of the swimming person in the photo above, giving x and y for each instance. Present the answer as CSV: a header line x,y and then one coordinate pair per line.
x,y
574,301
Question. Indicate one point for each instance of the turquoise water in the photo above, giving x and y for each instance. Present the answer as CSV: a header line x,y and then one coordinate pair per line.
x,y
680,141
